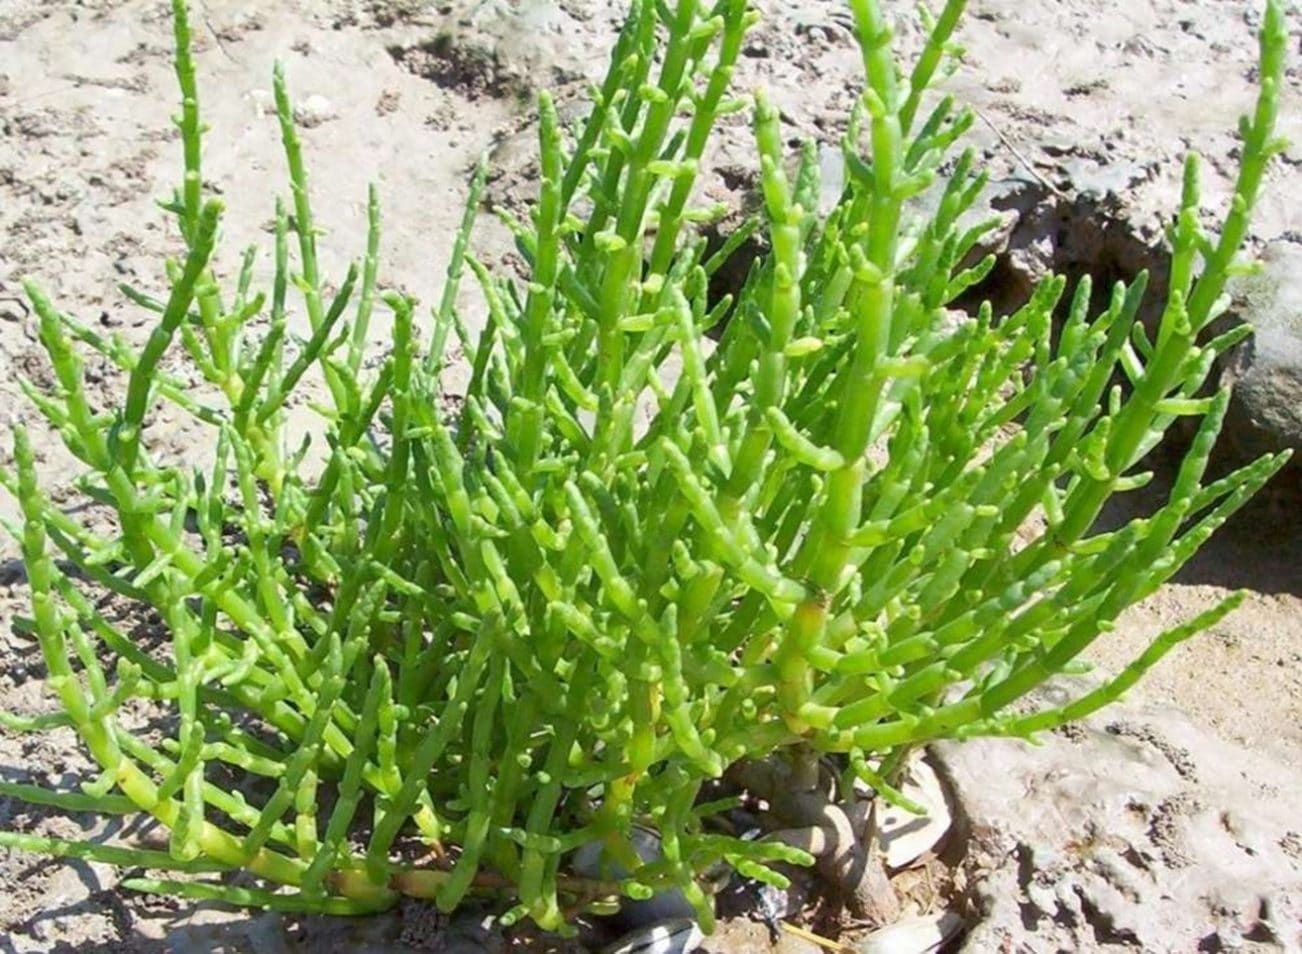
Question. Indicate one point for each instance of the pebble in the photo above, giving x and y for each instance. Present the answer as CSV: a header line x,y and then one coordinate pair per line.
x,y
916,935
674,936
314,111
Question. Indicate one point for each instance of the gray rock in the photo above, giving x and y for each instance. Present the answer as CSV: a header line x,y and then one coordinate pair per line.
x,y
1099,836
1266,411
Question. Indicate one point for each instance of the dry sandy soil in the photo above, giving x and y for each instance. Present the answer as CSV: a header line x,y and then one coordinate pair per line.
x,y
1085,109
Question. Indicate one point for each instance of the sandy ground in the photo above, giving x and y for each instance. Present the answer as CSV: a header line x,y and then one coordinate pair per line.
x,y
1085,109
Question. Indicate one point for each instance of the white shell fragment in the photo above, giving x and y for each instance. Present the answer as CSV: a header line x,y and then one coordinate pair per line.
x,y
915,935
906,837
676,936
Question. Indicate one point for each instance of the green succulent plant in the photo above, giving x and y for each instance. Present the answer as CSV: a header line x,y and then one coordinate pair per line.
x,y
498,625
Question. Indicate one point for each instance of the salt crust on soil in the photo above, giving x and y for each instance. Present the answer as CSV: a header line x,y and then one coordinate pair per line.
x,y
1085,107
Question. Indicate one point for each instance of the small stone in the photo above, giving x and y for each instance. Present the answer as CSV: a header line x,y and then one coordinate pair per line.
x,y
314,111
916,935
676,936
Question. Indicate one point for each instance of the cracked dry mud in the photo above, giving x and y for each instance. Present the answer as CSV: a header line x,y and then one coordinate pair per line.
x,y
1147,828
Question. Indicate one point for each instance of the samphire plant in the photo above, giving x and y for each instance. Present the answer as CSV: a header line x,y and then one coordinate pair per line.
x,y
488,628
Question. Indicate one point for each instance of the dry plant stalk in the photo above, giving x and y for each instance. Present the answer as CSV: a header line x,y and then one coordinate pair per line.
x,y
545,616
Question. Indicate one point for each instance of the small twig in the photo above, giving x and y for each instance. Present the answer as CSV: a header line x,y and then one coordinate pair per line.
x,y
1017,154
823,942
221,44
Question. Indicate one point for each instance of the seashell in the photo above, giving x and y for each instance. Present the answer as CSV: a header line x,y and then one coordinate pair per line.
x,y
915,935
905,837
674,936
